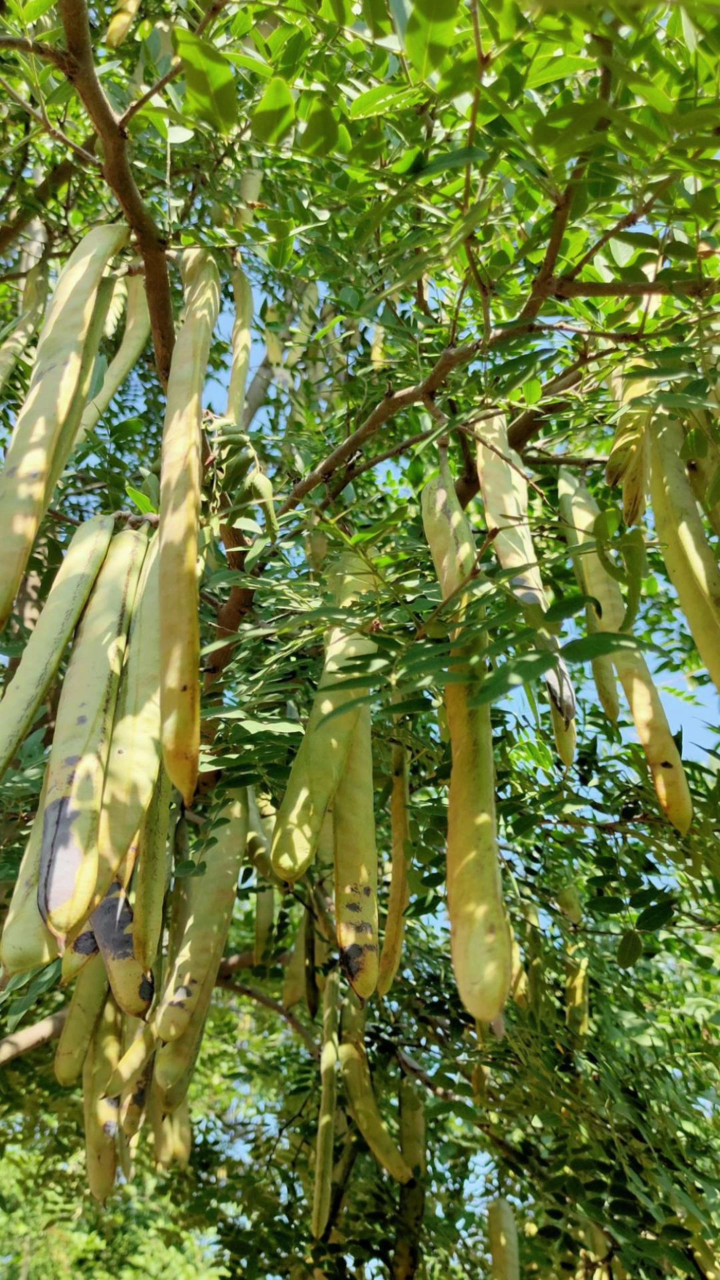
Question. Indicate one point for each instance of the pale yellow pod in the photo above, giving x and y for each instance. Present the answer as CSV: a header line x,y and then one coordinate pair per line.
x,y
326,1117
88,999
356,864
133,759
33,306
175,1060
399,896
134,340
502,1233
26,942
101,1112
44,650
211,899
579,512
29,459
112,924
361,1098
120,23
293,988
323,752
240,346
689,558
629,461
577,994
134,1061
153,873
69,855
480,934
78,951
179,524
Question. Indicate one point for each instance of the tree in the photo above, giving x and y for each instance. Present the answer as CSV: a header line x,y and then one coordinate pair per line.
x,y
454,219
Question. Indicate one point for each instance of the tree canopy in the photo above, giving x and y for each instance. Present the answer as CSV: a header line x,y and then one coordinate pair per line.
x,y
450,216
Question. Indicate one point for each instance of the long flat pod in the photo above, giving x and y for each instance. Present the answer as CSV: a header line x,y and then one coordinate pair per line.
x,y
44,650
356,864
153,872
579,512
502,1233
88,999
133,759
69,858
240,345
33,306
211,898
29,459
134,339
101,1112
326,1118
26,942
112,925
406,1257
320,761
479,930
358,1088
399,895
689,558
179,524
175,1060
505,499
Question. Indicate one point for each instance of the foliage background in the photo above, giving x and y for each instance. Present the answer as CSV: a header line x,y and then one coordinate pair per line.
x,y
434,169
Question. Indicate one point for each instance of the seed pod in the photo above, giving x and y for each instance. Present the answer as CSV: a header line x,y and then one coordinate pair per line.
x,y
519,985
360,1096
77,953
71,426
320,761
401,857
44,650
326,1117
505,498
120,23
629,461
133,759
173,1137
579,512
179,522
136,1056
264,917
480,933
33,306
76,770
175,1061
134,340
29,459
577,994
503,1237
689,558
701,473
293,989
240,346
406,1258
112,924
26,943
133,1099
101,1112
211,900
153,873
356,864
568,900
260,488
88,999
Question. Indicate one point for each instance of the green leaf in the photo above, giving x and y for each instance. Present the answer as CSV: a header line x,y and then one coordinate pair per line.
x,y
430,33
320,134
630,949
521,670
274,115
211,90
381,100
35,9
598,645
654,918
141,500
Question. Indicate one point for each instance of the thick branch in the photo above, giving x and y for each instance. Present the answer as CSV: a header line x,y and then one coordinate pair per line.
x,y
33,1037
683,287
119,176
36,48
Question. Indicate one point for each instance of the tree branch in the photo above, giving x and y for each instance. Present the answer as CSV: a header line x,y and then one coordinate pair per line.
x,y
36,49
267,1002
119,177
683,287
29,1038
40,118
58,177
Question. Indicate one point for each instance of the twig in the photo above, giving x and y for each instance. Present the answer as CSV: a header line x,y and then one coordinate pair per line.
x,y
41,119
36,49
251,993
